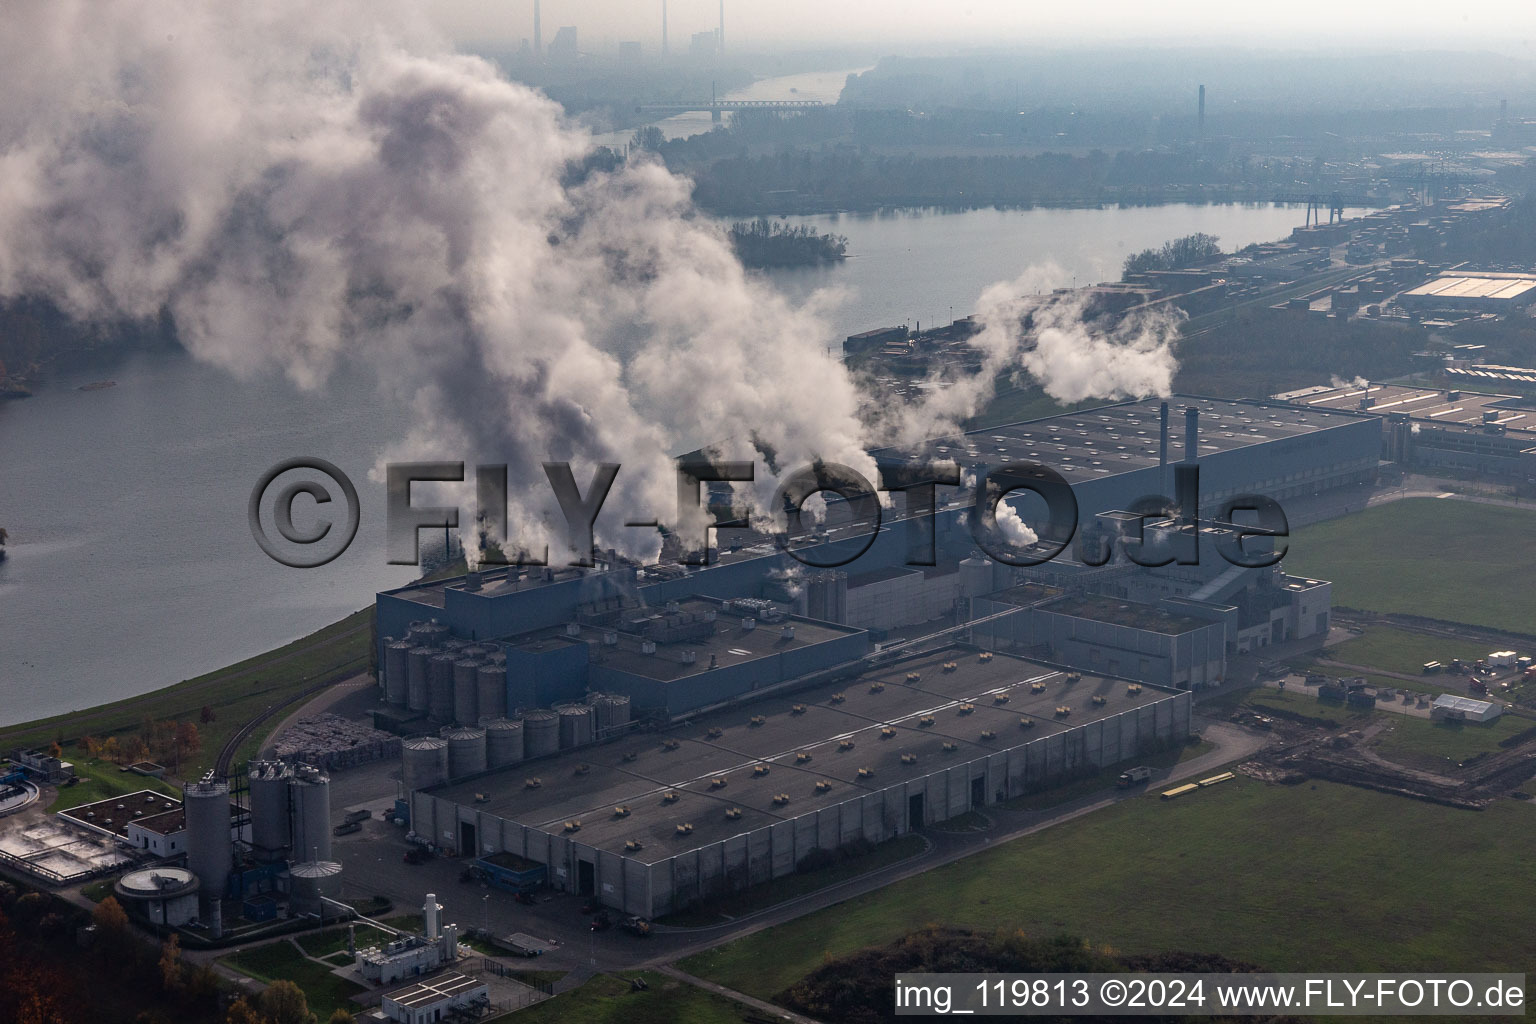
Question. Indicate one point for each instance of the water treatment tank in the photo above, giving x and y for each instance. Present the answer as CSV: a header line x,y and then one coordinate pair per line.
x,y
423,763
440,687
416,678
491,690
466,692
575,725
396,671
610,713
210,847
309,884
466,750
311,795
541,733
271,835
503,742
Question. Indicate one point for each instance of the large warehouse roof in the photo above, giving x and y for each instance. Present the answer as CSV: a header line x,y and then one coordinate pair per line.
x,y
813,755
1511,288
1429,404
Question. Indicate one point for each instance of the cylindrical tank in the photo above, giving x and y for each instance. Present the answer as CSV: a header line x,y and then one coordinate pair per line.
x,y
466,751
541,733
440,687
416,678
575,725
503,742
975,576
311,794
423,763
466,693
497,657
309,884
210,847
396,671
454,645
491,691
610,713
271,835
417,633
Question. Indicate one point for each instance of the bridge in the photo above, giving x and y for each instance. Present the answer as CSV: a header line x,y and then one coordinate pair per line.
x,y
718,107
1317,202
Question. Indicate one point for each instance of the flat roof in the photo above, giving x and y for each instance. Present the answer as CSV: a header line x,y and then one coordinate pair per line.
x,y
1506,287
425,993
1433,405
149,804
1125,613
1114,439
669,779
1451,700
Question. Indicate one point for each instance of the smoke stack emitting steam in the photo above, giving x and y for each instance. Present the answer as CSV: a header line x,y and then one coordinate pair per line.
x,y
297,192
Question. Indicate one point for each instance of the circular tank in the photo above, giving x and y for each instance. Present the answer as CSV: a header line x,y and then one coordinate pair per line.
x,y
416,678
466,694
610,713
311,794
541,733
210,847
497,657
396,671
440,687
271,835
416,633
503,742
157,883
491,691
309,884
466,750
454,645
423,763
575,725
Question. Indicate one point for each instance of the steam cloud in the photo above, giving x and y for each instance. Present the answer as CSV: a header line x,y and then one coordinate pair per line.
x,y
297,192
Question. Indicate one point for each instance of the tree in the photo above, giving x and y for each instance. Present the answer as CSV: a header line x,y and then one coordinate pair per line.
x,y
649,138
283,1002
206,715
240,1012
1189,251
188,742
340,1016
170,965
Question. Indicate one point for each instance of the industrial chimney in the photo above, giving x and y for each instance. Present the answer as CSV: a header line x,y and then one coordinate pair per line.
x,y
538,30
1191,434
1162,444
1202,111
664,49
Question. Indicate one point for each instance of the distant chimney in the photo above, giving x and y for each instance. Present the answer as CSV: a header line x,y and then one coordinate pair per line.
x,y
721,40
714,662
1162,444
1202,111
538,30
1191,434
664,49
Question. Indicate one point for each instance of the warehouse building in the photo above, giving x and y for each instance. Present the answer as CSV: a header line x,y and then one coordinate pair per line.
x,y
1472,290
653,822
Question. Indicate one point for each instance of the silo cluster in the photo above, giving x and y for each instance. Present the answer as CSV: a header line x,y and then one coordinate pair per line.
x,y
290,811
451,680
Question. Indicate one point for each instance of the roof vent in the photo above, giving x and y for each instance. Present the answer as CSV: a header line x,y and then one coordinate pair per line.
x,y
611,638
648,647
690,657
573,629
787,633
748,623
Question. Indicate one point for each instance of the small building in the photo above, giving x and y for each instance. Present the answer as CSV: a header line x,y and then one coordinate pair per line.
x,y
164,835
412,955
506,870
435,1000
1450,707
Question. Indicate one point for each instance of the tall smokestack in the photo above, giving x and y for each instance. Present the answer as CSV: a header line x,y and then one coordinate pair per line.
x,y
538,30
1191,434
721,41
664,49
1162,443
1202,111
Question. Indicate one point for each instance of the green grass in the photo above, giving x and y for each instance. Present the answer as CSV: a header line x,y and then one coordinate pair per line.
x,y
1104,779
1421,743
1285,877
236,694
279,960
608,999
1400,650
102,779
320,944
759,897
1266,699
1445,559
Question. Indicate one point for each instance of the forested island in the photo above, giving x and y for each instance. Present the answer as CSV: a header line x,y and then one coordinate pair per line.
x,y
764,243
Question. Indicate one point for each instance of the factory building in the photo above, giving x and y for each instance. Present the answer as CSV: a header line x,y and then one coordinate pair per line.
x,y
412,955
653,822
1472,290
451,996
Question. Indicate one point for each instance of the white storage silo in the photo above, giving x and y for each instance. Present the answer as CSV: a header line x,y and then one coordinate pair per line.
x,y
210,846
466,751
503,742
416,678
440,687
310,884
423,763
466,692
396,671
311,797
271,832
491,691
575,725
541,733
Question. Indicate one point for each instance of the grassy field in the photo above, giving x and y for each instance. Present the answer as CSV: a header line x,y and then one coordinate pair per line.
x,y
1291,878
1446,559
102,779
280,960
1400,650
236,694
608,999
1265,699
1420,743
321,944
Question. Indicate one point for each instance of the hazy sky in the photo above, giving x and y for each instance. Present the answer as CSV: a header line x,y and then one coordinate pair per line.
x,y
1505,25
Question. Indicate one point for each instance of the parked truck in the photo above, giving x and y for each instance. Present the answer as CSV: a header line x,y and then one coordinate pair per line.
x,y
1134,777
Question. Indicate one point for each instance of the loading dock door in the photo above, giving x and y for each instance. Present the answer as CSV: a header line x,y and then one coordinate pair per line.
x,y
978,791
915,811
586,878
467,847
